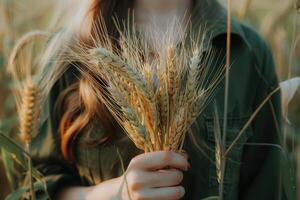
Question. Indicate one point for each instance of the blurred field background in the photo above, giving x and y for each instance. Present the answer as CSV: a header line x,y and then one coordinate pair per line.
x,y
277,20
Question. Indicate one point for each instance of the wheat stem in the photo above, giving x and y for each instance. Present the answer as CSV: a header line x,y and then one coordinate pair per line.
x,y
228,52
32,192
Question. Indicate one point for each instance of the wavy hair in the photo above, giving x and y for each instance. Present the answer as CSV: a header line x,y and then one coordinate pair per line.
x,y
78,102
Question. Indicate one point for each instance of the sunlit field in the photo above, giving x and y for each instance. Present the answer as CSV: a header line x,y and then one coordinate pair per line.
x,y
277,21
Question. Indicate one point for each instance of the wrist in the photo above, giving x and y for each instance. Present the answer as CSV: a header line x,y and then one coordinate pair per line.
x,y
108,190
90,192
118,188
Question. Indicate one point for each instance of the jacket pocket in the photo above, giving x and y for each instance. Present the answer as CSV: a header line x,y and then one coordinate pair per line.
x,y
234,158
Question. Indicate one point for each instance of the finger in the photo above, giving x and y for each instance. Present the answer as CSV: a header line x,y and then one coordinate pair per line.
x,y
184,153
161,178
164,193
159,160
165,178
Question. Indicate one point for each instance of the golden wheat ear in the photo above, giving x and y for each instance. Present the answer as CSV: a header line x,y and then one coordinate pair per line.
x,y
33,72
29,111
21,66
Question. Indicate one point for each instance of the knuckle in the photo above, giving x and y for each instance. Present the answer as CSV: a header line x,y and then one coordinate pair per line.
x,y
135,186
133,162
133,181
166,157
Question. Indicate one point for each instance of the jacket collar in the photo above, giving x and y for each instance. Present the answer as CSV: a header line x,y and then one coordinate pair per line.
x,y
212,16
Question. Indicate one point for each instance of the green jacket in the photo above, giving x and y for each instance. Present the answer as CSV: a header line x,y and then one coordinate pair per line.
x,y
252,169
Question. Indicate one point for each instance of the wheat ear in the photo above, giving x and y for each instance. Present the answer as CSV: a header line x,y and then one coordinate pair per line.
x,y
28,127
27,95
28,112
123,69
173,80
192,78
218,145
218,156
117,64
135,79
128,118
163,108
178,128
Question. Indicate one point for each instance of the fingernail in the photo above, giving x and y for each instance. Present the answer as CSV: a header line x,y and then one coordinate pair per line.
x,y
184,153
189,166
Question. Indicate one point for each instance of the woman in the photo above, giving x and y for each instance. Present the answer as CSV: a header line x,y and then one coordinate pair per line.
x,y
91,166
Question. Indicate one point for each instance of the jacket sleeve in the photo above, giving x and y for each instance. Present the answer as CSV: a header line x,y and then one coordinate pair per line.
x,y
262,174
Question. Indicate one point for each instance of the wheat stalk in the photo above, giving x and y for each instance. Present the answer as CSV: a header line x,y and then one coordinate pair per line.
x,y
33,73
29,114
27,94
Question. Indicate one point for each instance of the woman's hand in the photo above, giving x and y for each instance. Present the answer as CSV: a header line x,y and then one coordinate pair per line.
x,y
154,175
149,176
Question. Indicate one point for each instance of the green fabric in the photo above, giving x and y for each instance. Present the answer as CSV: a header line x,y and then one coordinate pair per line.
x,y
252,170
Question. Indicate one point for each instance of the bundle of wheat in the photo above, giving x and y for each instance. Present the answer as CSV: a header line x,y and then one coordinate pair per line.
x,y
156,85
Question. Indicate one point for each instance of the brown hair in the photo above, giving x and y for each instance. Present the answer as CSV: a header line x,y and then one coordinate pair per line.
x,y
78,102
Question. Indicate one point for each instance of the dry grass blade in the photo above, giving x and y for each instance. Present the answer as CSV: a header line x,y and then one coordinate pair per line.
x,y
244,9
242,131
226,97
271,22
